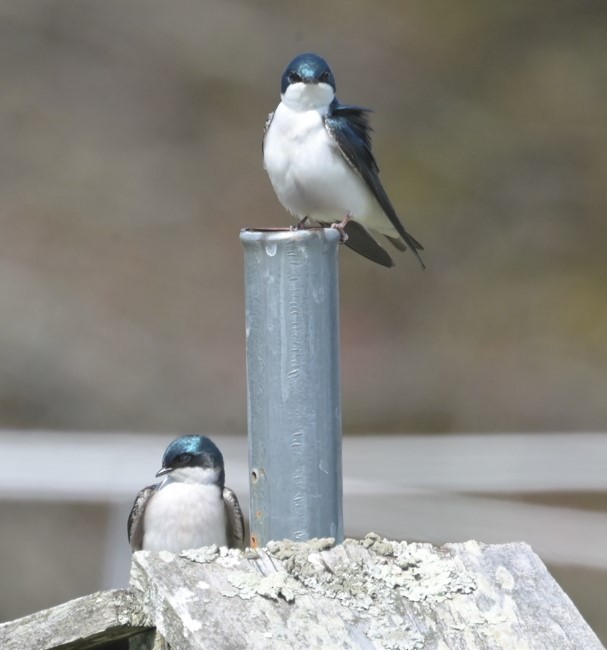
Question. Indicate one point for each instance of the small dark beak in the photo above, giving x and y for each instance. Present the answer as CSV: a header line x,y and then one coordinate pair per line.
x,y
164,470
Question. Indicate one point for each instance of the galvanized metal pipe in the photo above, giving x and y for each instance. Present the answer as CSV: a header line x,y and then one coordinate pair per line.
x,y
293,384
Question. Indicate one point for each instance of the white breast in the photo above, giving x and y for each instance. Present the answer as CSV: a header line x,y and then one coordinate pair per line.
x,y
309,175
184,515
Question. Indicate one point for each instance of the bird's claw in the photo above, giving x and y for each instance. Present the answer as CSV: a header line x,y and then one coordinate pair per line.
x,y
340,226
300,225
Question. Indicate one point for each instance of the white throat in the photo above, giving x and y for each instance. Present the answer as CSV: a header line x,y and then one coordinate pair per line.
x,y
200,475
306,97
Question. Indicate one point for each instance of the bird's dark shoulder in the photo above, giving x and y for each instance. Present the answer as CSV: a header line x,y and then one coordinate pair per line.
x,y
348,126
135,522
235,519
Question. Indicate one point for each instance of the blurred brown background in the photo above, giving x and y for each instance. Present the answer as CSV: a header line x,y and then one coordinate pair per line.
x,y
130,157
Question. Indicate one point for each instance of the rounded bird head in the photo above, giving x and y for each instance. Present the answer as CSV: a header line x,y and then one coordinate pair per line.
x,y
308,82
193,458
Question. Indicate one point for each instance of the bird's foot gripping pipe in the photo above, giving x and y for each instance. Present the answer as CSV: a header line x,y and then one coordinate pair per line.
x,y
340,226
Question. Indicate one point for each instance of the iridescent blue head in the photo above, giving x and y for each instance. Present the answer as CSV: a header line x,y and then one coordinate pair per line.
x,y
194,459
307,68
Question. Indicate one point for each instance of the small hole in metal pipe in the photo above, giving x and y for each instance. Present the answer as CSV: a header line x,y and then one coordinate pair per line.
x,y
254,475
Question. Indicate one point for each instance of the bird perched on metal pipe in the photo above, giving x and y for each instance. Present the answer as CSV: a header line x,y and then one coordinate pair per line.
x,y
317,153
190,507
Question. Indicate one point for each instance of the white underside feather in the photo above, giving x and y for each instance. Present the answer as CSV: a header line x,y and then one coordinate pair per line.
x,y
184,515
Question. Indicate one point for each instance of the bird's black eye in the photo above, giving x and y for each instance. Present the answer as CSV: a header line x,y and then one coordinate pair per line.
x,y
325,77
294,77
183,459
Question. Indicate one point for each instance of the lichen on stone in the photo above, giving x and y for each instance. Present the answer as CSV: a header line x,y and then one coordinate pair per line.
x,y
273,586
202,555
416,572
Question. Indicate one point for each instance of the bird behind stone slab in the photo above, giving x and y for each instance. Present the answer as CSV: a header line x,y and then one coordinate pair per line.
x,y
190,507
317,153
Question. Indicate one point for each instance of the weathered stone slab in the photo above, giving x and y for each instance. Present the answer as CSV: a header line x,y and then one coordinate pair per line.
x,y
369,594
81,623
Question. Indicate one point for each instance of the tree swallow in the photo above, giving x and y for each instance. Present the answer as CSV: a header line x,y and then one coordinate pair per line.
x,y
317,153
191,507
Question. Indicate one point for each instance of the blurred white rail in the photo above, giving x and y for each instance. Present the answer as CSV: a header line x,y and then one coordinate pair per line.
x,y
426,487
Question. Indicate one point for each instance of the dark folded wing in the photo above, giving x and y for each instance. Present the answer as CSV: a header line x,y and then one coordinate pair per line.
x,y
135,523
235,520
348,127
